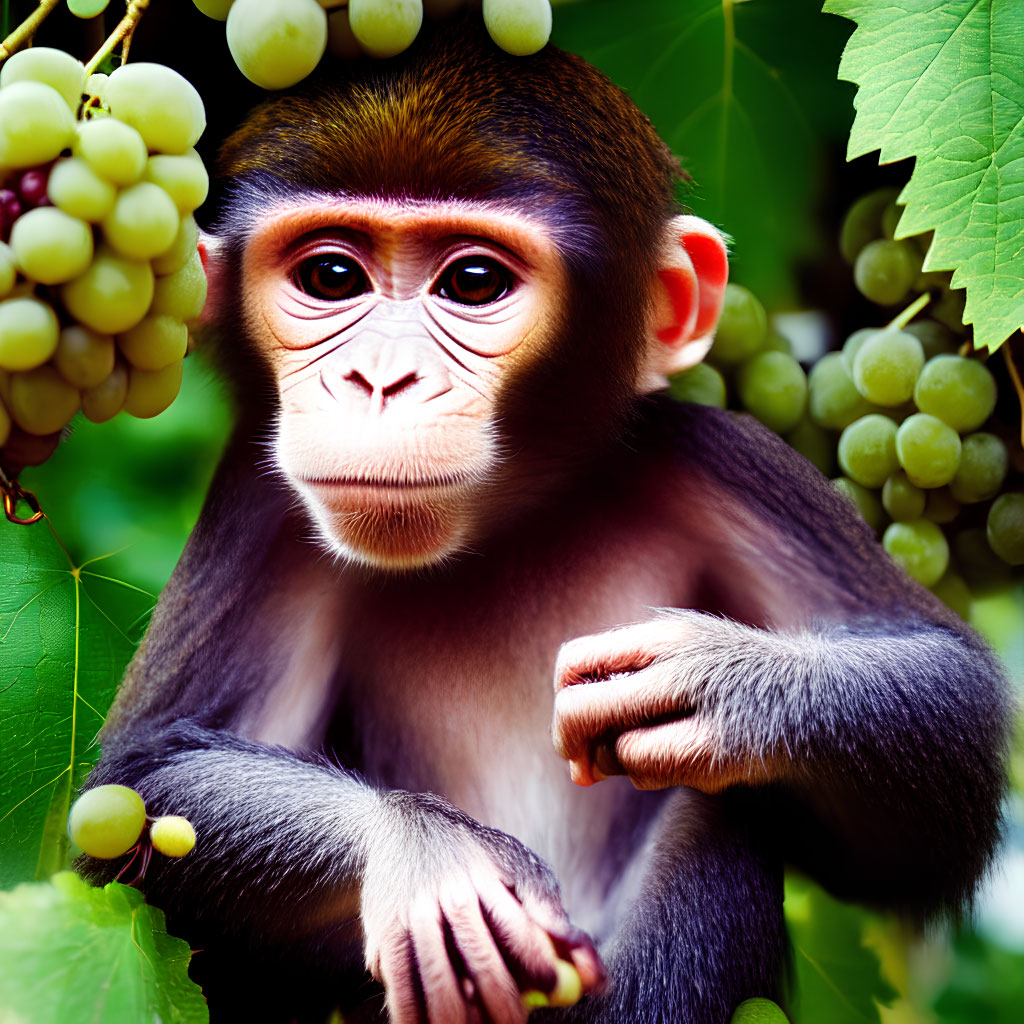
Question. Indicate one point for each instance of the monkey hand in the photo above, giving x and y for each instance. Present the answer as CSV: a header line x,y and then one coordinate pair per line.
x,y
650,701
463,923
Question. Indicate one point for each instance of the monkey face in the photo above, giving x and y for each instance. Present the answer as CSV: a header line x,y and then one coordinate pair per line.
x,y
393,329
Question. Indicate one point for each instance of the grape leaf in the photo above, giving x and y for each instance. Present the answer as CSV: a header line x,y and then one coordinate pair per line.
x,y
72,952
743,94
87,8
66,634
943,81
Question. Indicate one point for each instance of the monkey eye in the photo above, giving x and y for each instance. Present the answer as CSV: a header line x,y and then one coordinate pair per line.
x,y
331,277
474,281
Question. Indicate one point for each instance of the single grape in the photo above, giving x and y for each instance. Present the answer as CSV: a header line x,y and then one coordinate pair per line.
x,y
183,178
833,399
113,149
867,450
866,501
385,27
919,547
216,9
519,27
936,339
853,344
980,566
276,43
154,342
112,295
1005,528
885,270
42,401
742,327
143,221
568,988
901,499
941,507
863,222
50,246
814,444
35,124
107,821
341,40
183,293
701,384
32,186
953,591
5,424
53,67
172,835
28,333
182,249
152,391
960,392
949,309
886,367
928,450
83,357
773,387
160,103
8,269
78,190
106,399
891,219
10,210
758,1011
984,463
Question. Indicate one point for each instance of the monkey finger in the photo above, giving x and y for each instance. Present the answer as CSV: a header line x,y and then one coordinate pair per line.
x,y
626,649
439,979
397,972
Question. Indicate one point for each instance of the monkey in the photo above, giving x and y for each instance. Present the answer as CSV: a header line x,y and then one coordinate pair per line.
x,y
485,656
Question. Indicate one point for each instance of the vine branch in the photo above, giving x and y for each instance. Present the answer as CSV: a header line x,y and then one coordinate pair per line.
x,y
26,30
125,30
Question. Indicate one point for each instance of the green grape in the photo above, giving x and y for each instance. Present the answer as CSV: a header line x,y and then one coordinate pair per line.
x,y
42,401
701,384
96,86
341,40
83,357
183,293
160,103
742,327
960,392
853,344
867,450
5,424
216,9
112,295
984,462
78,190
155,342
107,821
172,835
182,249
106,399
519,27
52,67
919,547
936,339
50,246
928,450
28,333
114,150
886,367
863,222
891,219
8,269
814,444
35,124
385,27
833,400
953,591
979,564
152,391
1005,528
941,507
183,178
276,43
885,270
143,222
758,1011
867,503
901,499
949,309
773,387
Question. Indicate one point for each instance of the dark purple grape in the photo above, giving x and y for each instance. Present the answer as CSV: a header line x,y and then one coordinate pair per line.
x,y
32,186
10,210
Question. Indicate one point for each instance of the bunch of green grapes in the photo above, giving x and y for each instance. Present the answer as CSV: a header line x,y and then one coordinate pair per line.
x,y
277,43
99,269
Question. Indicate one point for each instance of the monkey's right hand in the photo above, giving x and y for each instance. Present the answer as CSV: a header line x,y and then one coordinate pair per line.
x,y
460,921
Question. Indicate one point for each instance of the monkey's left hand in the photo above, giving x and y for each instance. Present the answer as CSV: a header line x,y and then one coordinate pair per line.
x,y
648,701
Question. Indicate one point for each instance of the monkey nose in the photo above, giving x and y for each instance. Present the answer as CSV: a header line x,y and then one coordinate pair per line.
x,y
377,389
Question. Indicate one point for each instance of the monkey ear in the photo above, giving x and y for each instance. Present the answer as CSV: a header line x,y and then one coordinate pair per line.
x,y
688,298
209,252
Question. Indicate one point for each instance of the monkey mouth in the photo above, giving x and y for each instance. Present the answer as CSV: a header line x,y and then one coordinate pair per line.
x,y
442,482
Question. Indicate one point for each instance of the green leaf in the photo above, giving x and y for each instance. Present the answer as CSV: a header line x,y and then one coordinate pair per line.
x,y
87,8
742,94
943,81
71,952
837,978
66,634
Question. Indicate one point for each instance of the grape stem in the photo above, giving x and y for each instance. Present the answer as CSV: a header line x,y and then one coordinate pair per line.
x,y
902,319
1018,386
27,29
125,30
